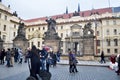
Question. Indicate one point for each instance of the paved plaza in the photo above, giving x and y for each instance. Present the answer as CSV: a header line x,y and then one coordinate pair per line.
x,y
61,72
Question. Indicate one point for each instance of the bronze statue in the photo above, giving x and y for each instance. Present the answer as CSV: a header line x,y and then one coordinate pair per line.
x,y
51,24
21,30
87,28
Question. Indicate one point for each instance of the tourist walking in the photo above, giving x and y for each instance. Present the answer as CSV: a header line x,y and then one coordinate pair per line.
x,y
12,57
20,56
16,55
8,57
72,62
2,56
58,56
43,56
102,57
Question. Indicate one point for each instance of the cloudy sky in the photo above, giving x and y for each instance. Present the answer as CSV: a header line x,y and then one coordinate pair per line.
x,y
28,9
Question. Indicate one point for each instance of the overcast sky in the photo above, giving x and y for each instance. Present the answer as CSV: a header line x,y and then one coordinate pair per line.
x,y
28,9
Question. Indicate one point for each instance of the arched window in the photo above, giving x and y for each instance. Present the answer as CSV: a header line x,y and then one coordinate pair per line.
x,y
115,42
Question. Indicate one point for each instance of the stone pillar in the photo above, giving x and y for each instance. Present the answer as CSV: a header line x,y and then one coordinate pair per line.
x,y
1,43
88,46
20,40
54,44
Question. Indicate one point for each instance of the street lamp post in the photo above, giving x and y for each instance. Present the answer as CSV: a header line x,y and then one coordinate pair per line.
x,y
96,34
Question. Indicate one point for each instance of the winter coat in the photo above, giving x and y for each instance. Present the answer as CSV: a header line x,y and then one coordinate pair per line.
x,y
35,61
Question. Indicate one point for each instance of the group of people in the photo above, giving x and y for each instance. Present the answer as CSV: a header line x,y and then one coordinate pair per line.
x,y
10,56
115,63
41,60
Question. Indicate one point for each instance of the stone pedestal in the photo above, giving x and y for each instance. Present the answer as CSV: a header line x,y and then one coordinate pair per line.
x,y
20,43
54,44
88,46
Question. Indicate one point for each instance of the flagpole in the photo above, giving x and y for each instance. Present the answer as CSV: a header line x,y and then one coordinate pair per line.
x,y
96,34
109,2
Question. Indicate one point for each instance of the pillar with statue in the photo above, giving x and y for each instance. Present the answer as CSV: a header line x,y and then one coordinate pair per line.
x,y
51,38
20,41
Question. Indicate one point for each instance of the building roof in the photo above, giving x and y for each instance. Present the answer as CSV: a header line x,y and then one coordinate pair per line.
x,y
69,15
116,9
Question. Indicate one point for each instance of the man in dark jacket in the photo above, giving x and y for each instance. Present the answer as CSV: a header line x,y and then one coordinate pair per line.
x,y
35,62
102,57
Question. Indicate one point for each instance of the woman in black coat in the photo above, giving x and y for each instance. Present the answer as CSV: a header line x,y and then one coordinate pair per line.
x,y
118,60
35,62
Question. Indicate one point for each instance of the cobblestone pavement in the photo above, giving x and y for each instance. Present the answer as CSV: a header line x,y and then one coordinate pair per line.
x,y
60,72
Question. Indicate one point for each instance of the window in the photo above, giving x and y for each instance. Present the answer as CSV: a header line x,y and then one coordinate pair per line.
x,y
115,50
14,34
98,42
5,17
31,43
98,33
61,27
108,42
38,44
39,28
114,22
29,29
32,29
61,35
115,31
29,36
108,50
108,32
75,33
43,28
0,15
14,26
4,28
107,22
4,37
115,42
98,50
61,44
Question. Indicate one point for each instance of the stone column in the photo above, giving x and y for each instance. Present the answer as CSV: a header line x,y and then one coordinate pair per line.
x,y
1,43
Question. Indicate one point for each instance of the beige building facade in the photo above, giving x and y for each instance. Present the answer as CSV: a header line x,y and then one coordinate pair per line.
x,y
106,29
104,22
8,26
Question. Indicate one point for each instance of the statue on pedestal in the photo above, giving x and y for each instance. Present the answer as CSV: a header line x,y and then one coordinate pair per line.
x,y
20,40
51,38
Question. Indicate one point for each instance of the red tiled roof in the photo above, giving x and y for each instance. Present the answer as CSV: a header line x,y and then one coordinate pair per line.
x,y
66,16
35,19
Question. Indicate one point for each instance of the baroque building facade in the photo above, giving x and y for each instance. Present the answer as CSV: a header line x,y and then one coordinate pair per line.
x,y
8,25
105,23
